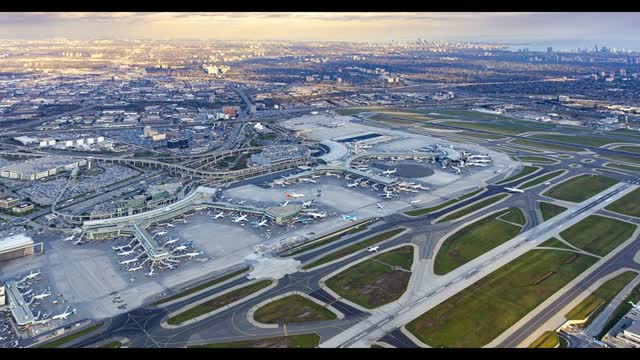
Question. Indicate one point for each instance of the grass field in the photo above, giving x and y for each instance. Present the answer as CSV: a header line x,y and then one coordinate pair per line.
x,y
329,238
623,167
580,188
593,304
526,170
539,180
432,209
292,309
481,135
565,156
293,341
598,234
348,112
547,146
623,158
627,205
218,302
538,159
621,310
112,345
201,287
355,247
496,128
548,340
516,217
475,240
550,210
576,140
376,281
484,310
555,243
475,207
71,337
635,149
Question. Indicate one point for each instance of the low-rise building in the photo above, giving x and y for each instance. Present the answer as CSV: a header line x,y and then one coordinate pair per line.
x,y
15,246
22,208
7,202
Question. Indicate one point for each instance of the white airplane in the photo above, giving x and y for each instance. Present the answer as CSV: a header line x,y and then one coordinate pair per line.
x,y
78,242
380,206
262,223
179,248
387,195
70,238
239,219
120,248
421,187
317,215
218,215
126,262
293,195
160,233
308,180
64,315
373,248
349,217
193,254
171,241
306,203
242,202
134,269
389,172
498,171
513,189
126,253
171,225
284,203
353,184
547,183
32,275
332,174
42,295
415,202
635,306
150,273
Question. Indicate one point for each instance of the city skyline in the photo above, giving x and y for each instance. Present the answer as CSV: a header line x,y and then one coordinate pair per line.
x,y
561,30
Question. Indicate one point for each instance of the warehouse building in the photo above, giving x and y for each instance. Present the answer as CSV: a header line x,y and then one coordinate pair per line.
x,y
39,168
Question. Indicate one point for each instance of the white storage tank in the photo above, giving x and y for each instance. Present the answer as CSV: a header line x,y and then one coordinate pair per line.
x,y
90,141
100,139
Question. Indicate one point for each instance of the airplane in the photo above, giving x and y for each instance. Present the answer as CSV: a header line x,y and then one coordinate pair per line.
x,y
317,215
31,275
293,195
64,315
415,202
126,262
150,273
513,189
373,248
42,295
387,195
242,202
284,203
380,206
420,186
180,248
353,184
119,248
239,219
262,223
171,241
635,306
389,172
126,253
187,243
160,233
193,254
547,183
218,215
308,180
70,238
171,225
78,242
332,174
306,203
349,217
134,269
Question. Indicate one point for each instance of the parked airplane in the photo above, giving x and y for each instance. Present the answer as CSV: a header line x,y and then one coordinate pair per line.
x,y
42,295
262,223
498,171
151,273
293,195
239,219
547,183
31,275
171,225
635,306
315,176
373,248
349,217
126,253
179,248
160,233
134,269
513,189
171,241
317,215
415,202
120,248
387,195
306,203
353,184
64,315
70,238
193,254
126,262
389,172
78,242
218,215
308,180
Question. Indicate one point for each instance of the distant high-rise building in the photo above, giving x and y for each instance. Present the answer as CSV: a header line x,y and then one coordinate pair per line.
x,y
549,50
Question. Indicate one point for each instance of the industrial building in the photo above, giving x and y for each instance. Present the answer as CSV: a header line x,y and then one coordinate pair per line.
x,y
22,208
16,246
40,168
179,143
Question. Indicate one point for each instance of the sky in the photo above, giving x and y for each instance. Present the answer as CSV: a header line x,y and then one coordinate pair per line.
x,y
565,30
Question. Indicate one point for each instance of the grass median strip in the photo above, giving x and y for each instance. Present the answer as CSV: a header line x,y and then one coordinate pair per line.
x,y
293,341
550,210
112,345
541,179
71,337
377,281
538,160
593,304
580,188
548,340
443,205
627,205
547,146
355,247
201,287
627,158
474,240
292,309
526,170
474,207
218,302
555,243
598,234
478,314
